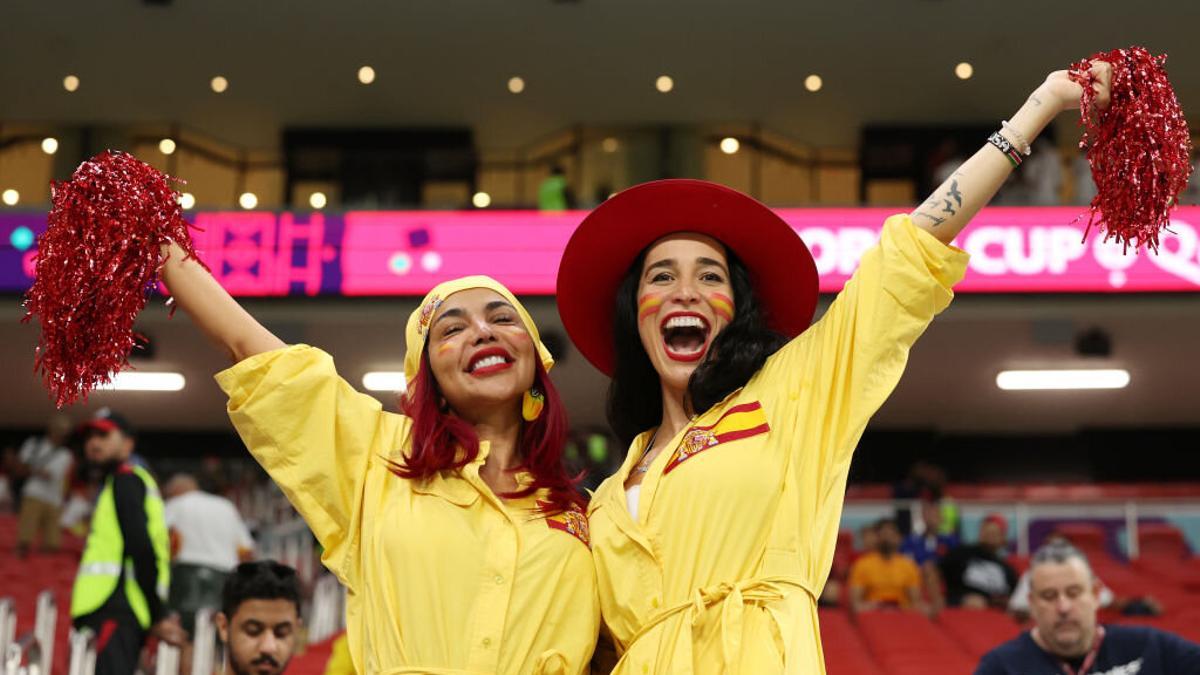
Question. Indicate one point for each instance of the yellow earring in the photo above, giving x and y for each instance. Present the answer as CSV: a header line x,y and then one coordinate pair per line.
x,y
532,403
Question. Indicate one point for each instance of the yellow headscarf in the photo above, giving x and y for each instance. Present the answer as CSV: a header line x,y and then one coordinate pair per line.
x,y
418,322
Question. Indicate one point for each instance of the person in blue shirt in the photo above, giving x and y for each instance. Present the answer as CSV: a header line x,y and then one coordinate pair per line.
x,y
930,544
1067,638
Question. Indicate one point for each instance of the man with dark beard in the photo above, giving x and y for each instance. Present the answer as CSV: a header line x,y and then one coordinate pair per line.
x,y
259,619
1064,597
885,578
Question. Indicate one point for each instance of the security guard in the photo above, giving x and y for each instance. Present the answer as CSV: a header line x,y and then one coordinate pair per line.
x,y
123,577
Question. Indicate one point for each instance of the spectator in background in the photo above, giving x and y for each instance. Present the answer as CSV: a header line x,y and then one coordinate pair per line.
x,y
1018,604
927,544
259,618
868,540
1081,177
1067,637
925,481
978,575
1043,174
208,539
121,587
554,193
884,577
46,464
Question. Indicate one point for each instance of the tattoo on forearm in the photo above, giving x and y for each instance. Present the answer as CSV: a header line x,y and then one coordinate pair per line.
x,y
950,202
1035,99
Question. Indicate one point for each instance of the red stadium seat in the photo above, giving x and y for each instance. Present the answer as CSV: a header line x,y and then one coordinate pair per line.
x,y
845,651
978,631
907,643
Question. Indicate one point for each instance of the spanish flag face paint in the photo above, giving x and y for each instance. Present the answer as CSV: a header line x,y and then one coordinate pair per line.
x,y
722,305
648,305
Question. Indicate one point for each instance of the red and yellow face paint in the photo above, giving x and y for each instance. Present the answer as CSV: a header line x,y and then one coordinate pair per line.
x,y
648,305
722,305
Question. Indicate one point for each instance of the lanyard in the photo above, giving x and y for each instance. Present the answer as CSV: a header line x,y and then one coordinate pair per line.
x,y
1090,659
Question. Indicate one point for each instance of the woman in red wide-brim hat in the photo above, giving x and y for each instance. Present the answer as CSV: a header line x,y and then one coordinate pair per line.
x,y
713,541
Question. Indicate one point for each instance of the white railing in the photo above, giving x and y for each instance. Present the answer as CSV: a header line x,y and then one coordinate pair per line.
x,y
44,626
204,643
83,652
328,615
290,543
1023,514
8,624
167,660
24,657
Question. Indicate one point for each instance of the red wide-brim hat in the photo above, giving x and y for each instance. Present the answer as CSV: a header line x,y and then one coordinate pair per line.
x,y
610,238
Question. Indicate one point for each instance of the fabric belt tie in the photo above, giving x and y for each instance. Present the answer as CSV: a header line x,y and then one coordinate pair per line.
x,y
732,596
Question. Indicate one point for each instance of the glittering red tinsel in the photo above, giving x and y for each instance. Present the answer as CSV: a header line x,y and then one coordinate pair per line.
x,y
1139,148
97,263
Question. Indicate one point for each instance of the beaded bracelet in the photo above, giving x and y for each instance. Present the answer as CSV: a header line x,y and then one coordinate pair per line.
x,y
1018,137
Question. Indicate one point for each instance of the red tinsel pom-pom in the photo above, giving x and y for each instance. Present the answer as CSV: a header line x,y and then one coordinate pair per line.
x,y
97,263
1139,148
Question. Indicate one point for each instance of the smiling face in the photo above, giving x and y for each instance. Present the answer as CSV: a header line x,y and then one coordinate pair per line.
x,y
685,298
480,353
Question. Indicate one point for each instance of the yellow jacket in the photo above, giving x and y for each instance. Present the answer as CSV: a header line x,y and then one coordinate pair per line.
x,y
443,576
736,527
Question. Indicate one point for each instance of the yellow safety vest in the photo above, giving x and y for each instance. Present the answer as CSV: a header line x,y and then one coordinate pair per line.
x,y
104,555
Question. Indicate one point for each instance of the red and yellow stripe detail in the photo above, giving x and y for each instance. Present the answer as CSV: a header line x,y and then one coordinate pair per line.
x,y
740,421
722,305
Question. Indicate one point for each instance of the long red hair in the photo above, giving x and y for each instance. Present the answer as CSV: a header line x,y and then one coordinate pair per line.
x,y
441,441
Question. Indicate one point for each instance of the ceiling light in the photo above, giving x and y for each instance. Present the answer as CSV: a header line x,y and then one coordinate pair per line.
x,y
10,197
730,145
964,70
248,200
70,83
166,146
366,74
384,380
187,200
1019,380
136,380
664,83
481,200
317,200
813,83
516,85
219,84
49,145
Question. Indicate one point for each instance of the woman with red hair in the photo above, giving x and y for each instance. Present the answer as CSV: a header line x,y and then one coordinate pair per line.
x,y
454,525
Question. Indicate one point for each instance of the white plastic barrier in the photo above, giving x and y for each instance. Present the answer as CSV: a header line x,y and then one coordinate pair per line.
x,y
8,624
83,652
167,661
23,657
44,626
328,609
204,643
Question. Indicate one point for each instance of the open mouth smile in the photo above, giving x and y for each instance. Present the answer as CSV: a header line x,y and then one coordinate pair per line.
x,y
685,336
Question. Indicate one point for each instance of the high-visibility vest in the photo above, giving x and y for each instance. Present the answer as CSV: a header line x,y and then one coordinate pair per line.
x,y
104,555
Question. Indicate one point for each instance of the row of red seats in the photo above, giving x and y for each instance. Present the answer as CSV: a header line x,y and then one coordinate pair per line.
x,y
907,643
1041,492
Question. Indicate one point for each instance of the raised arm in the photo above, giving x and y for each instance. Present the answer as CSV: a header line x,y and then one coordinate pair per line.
x,y
955,202
212,308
